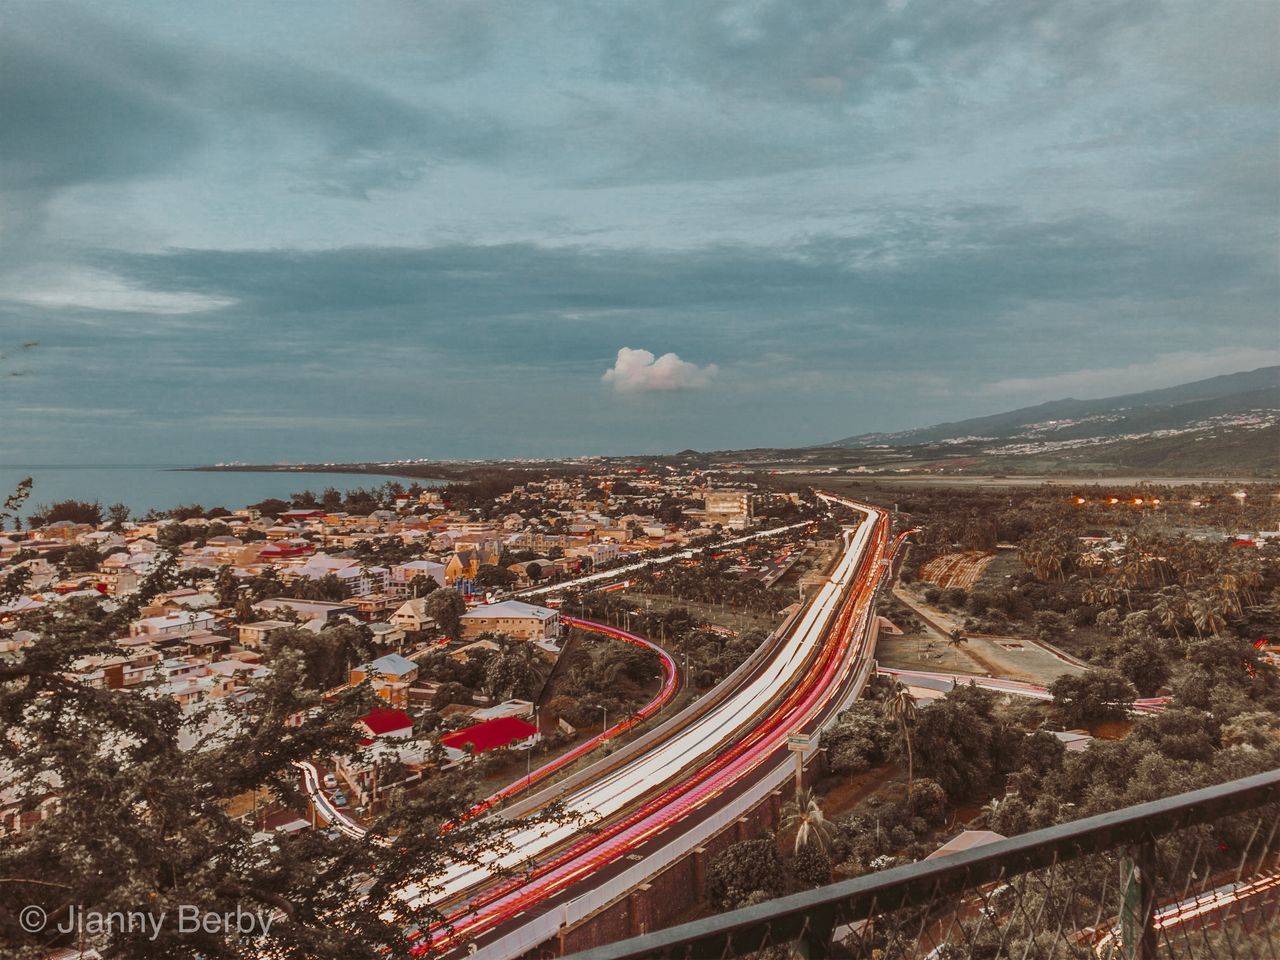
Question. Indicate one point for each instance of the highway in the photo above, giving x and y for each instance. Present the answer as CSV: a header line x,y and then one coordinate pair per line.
x,y
680,778
712,753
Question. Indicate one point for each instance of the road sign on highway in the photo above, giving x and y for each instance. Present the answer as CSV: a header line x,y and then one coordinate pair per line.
x,y
800,741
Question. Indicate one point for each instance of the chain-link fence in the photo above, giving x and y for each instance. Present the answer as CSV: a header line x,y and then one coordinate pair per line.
x,y
1191,876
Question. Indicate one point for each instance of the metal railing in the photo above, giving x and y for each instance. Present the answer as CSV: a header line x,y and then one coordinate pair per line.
x,y
1191,876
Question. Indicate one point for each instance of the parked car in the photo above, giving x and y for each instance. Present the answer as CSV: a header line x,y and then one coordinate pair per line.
x,y
330,782
339,798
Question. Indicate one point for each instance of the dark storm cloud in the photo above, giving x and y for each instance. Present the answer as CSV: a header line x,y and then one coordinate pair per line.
x,y
84,100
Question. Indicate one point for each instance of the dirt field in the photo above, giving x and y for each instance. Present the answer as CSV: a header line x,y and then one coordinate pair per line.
x,y
1015,658
956,569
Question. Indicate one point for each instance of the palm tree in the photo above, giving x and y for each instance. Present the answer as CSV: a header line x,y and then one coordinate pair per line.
x,y
990,809
1110,594
900,706
1229,588
1169,613
804,815
1249,575
955,638
1207,615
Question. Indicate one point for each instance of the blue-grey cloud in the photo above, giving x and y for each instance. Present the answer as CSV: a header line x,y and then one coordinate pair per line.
x,y
428,227
85,100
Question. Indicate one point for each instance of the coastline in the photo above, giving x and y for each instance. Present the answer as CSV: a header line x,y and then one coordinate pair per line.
x,y
438,475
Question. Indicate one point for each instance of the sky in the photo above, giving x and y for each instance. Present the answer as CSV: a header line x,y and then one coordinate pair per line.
x,y
318,231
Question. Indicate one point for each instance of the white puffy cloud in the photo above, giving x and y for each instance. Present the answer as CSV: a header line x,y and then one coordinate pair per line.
x,y
639,371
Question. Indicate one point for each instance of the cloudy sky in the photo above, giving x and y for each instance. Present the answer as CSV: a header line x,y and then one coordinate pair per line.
x,y
395,228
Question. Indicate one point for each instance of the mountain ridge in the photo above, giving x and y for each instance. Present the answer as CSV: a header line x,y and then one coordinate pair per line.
x,y
1166,408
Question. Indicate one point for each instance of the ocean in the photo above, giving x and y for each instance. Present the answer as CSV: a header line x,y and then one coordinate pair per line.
x,y
164,486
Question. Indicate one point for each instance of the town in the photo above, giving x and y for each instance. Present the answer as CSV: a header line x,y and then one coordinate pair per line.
x,y
418,598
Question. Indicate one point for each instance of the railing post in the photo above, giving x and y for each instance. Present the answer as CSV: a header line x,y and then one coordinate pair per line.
x,y
815,942
1137,912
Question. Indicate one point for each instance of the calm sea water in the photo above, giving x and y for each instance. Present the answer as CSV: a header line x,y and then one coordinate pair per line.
x,y
162,487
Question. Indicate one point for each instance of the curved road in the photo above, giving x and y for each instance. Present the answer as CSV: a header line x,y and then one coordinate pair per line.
x,y
342,821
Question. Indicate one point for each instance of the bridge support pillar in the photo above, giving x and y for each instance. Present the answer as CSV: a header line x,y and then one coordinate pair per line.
x,y
775,808
742,829
699,871
638,912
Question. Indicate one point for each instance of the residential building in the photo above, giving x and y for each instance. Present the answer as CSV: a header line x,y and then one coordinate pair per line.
x,y
171,624
412,615
404,574
257,635
390,675
517,619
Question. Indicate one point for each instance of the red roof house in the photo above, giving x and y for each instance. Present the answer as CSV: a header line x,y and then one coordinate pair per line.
x,y
491,734
383,722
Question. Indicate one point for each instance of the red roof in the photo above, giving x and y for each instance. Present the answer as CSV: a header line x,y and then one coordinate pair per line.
x,y
490,734
382,720
280,550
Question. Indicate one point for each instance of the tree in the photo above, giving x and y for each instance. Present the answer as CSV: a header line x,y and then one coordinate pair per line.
x,y
271,507
811,866
225,586
856,742
962,744
327,656
803,814
900,706
514,670
117,516
142,819
1048,626
745,872
422,585
446,607
81,559
1096,696
1144,663
491,575
69,511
